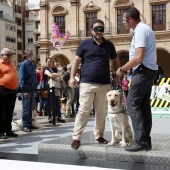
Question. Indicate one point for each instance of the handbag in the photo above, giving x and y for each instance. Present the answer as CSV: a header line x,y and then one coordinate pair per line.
x,y
54,83
44,94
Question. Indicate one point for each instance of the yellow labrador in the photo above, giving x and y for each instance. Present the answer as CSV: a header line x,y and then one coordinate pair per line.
x,y
119,121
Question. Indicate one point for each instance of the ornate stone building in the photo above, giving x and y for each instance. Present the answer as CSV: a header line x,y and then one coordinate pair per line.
x,y
76,16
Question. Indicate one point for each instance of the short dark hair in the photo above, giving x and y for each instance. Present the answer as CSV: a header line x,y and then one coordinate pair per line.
x,y
47,59
64,68
133,13
96,21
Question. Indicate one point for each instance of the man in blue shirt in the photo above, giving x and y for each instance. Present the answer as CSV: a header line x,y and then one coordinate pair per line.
x,y
142,58
94,54
27,83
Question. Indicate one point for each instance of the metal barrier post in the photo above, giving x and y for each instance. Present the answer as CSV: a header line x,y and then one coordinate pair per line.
x,y
53,105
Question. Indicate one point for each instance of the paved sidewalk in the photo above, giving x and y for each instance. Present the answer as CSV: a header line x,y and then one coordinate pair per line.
x,y
27,143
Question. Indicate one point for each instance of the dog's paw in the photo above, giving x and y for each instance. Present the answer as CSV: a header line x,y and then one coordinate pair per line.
x,y
121,143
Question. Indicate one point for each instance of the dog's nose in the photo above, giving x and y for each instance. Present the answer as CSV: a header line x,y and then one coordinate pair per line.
x,y
112,101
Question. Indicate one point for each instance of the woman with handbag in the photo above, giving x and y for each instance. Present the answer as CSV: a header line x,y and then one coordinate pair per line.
x,y
48,74
58,83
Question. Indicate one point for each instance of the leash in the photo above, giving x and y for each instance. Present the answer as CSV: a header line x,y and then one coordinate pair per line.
x,y
117,111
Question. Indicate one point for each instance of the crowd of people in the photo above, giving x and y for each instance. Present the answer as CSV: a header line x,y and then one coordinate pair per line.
x,y
87,86
27,80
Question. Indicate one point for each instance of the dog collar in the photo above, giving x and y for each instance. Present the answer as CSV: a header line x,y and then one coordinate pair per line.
x,y
116,112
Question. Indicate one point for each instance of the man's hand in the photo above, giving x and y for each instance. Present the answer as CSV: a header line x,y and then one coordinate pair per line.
x,y
119,73
116,80
72,82
26,95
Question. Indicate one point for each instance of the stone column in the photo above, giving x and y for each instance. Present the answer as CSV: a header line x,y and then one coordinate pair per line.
x,y
75,16
44,41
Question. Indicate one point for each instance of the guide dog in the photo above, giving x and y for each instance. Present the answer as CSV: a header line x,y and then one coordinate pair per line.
x,y
119,121
63,102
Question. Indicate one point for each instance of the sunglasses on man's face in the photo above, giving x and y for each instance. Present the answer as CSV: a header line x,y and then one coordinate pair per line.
x,y
8,55
98,29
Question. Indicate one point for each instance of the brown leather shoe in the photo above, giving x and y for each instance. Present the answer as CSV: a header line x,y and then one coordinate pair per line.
x,y
75,144
101,140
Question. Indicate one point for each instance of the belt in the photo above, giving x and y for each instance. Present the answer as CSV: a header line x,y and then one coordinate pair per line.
x,y
30,84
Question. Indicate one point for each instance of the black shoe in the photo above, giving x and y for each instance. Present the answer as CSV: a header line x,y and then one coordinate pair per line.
x,y
101,140
33,127
45,113
26,129
136,147
2,136
41,113
11,134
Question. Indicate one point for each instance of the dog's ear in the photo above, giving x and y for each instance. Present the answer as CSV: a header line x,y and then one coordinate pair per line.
x,y
106,97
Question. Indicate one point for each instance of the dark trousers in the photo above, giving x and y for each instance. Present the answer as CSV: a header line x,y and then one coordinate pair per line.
x,y
138,104
7,104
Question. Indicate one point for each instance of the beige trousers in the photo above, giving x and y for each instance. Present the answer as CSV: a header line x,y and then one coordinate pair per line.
x,y
90,93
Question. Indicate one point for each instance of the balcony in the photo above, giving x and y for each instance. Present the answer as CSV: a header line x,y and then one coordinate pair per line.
x,y
18,15
36,31
38,56
36,18
121,30
7,17
36,43
108,31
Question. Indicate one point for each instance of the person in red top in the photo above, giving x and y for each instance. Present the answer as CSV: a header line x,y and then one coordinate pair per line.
x,y
125,86
38,69
8,85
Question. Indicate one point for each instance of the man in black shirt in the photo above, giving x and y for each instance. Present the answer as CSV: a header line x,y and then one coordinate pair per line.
x,y
94,54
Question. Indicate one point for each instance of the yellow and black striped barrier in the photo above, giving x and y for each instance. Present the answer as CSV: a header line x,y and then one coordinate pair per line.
x,y
164,80
157,102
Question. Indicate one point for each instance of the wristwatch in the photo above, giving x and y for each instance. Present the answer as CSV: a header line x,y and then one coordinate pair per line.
x,y
122,70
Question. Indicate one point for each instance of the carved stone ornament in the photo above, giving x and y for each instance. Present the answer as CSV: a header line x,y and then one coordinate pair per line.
x,y
157,1
58,10
123,3
91,7
43,5
74,2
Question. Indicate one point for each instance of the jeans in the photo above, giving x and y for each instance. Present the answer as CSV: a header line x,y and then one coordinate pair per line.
x,y
27,108
49,103
43,103
58,109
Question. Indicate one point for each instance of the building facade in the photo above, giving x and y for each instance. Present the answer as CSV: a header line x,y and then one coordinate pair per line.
x,y
8,33
12,26
32,29
76,16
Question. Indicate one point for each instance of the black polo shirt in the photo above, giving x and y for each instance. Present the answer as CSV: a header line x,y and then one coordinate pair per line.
x,y
95,61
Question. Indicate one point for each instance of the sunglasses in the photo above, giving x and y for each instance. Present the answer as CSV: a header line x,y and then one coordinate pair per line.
x,y
98,29
8,55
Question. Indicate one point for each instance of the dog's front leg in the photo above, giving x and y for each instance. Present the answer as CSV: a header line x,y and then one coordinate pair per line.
x,y
123,142
113,140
